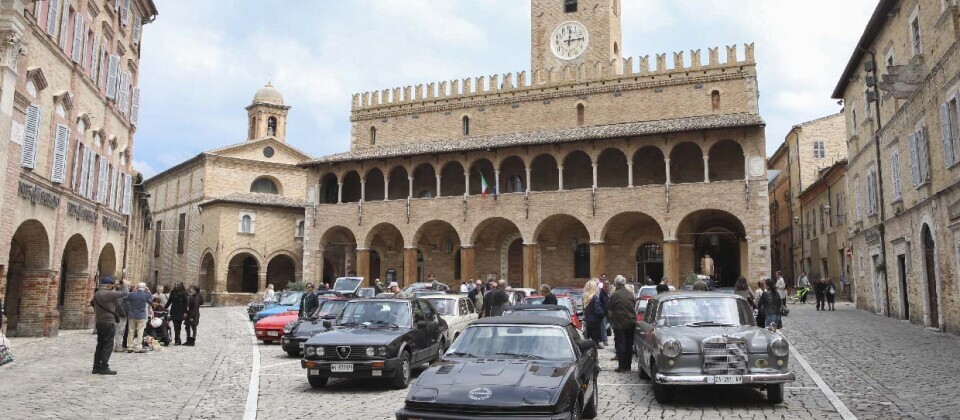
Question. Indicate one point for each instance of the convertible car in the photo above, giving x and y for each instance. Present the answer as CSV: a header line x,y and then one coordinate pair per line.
x,y
512,366
290,302
270,329
708,338
296,333
376,338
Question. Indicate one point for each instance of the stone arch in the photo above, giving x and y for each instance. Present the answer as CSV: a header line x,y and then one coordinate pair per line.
x,y
488,238
399,188
649,166
564,243
329,189
28,277
338,245
351,187
544,173
623,236
686,163
720,234
484,167
726,161
386,240
513,175
452,181
73,283
577,170
375,185
107,262
266,184
424,181
208,275
243,272
612,169
281,270
438,240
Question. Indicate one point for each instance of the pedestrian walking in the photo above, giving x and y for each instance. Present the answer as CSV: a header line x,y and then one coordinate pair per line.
x,y
177,305
623,318
830,292
106,319
137,304
120,329
309,302
761,287
604,301
548,297
269,293
803,283
478,297
771,306
820,289
193,314
593,312
782,288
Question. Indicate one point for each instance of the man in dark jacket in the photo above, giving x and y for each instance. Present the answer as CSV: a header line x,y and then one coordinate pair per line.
x,y
193,314
621,310
105,314
177,304
499,299
309,302
548,297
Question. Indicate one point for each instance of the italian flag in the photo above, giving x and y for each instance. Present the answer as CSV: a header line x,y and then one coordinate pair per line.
x,y
483,185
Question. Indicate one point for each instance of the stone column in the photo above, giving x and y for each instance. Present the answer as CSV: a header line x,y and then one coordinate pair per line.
x,y
671,262
339,192
530,278
386,188
33,304
438,186
630,174
745,259
363,265
667,169
496,182
74,302
363,190
466,180
706,169
318,277
598,259
528,180
595,184
409,266
410,187
560,178
468,268
262,280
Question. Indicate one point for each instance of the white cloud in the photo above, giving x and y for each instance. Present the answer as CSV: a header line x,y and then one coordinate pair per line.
x,y
144,168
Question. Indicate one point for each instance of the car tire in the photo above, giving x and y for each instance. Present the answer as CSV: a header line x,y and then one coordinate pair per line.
x,y
775,393
662,393
576,412
442,348
402,378
317,382
643,374
590,411
293,353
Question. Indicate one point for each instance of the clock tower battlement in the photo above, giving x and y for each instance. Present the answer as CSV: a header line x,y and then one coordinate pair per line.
x,y
573,32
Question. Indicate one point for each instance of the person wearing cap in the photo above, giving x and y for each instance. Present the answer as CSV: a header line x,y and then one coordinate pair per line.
x,y
105,315
397,291
309,302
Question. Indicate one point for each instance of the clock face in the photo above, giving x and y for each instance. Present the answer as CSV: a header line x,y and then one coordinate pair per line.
x,y
569,40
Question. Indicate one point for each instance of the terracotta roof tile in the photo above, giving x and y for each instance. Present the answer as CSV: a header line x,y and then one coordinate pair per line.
x,y
270,200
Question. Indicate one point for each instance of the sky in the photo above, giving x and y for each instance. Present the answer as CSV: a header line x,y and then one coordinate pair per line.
x,y
202,61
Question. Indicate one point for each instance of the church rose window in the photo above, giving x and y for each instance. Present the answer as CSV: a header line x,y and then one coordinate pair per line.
x,y
268,152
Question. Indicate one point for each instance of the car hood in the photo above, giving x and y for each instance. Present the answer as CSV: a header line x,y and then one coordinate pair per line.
x,y
307,329
690,338
275,310
277,321
491,382
359,336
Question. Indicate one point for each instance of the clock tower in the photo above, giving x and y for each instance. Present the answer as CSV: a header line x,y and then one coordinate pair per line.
x,y
573,32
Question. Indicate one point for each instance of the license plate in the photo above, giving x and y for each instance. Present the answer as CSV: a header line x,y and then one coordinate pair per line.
x,y
727,379
377,373
341,368
273,333
301,345
314,371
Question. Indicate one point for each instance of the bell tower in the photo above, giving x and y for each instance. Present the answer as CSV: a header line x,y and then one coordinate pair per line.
x,y
267,115
573,32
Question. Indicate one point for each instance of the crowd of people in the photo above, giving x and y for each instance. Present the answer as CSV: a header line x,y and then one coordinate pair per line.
x,y
131,319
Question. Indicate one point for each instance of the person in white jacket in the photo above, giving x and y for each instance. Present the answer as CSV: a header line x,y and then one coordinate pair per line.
x,y
268,294
782,288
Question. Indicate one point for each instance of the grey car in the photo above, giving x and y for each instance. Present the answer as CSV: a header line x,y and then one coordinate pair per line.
x,y
708,338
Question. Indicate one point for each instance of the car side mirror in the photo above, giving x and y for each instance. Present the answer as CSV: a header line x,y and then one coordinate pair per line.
x,y
586,345
421,324
327,324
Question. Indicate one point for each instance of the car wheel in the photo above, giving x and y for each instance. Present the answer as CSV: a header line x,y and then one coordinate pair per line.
x,y
317,382
662,393
640,371
590,411
440,350
402,377
293,353
775,393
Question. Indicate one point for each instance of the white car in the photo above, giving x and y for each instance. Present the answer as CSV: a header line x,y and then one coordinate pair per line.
x,y
646,292
526,290
456,310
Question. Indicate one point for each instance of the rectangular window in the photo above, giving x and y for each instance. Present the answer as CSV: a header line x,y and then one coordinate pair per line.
x,y
819,149
570,6
915,32
856,189
31,135
181,232
823,214
853,116
158,227
923,148
950,132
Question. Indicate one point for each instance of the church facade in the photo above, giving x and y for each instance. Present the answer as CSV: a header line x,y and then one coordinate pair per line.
x,y
590,163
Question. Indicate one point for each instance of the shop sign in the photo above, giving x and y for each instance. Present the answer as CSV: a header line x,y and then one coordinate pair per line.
x,y
110,223
38,195
81,212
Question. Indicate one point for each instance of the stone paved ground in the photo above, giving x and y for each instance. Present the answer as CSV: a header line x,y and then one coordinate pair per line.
x,y
880,368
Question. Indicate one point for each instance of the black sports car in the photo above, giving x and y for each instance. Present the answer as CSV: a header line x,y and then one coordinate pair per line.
x,y
376,338
512,366
296,333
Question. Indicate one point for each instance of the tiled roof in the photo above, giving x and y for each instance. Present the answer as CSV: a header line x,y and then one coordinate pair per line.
x,y
546,137
270,200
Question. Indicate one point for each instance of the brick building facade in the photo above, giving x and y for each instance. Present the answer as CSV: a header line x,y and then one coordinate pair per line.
x,y
900,90
68,112
588,164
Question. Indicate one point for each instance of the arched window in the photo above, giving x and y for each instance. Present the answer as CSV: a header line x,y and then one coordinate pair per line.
x,y
264,186
715,100
246,224
466,125
373,135
581,113
272,126
570,6
515,184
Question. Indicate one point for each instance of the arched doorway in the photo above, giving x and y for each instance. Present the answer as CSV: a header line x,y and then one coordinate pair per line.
x,y
208,276
71,299
564,244
281,270
649,166
27,280
243,274
386,253
452,181
424,181
650,262
374,266
398,184
630,240
513,175
328,274
719,235
492,240
107,263
930,275
339,245
437,240
482,171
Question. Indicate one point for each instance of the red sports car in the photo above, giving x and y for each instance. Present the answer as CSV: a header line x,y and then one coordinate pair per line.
x,y
562,300
270,329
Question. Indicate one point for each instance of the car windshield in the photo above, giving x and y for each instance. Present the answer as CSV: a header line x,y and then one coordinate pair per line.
x,y
330,307
445,306
375,312
701,311
292,299
536,300
346,285
520,341
556,313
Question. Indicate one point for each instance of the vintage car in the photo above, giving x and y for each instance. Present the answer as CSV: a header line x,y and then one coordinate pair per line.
x,y
559,311
296,333
376,338
709,338
513,366
457,310
347,286
562,300
426,286
290,302
270,329
259,305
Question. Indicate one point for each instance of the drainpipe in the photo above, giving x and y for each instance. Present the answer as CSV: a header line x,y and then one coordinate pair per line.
x,y
876,139
799,190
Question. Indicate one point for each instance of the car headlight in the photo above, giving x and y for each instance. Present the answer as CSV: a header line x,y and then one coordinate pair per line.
x,y
287,329
779,347
320,352
310,351
370,352
670,348
424,395
382,352
537,397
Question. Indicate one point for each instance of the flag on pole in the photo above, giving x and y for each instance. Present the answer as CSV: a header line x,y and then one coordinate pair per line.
x,y
483,185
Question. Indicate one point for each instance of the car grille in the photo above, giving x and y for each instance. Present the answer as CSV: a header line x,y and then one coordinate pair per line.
x,y
356,352
724,356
